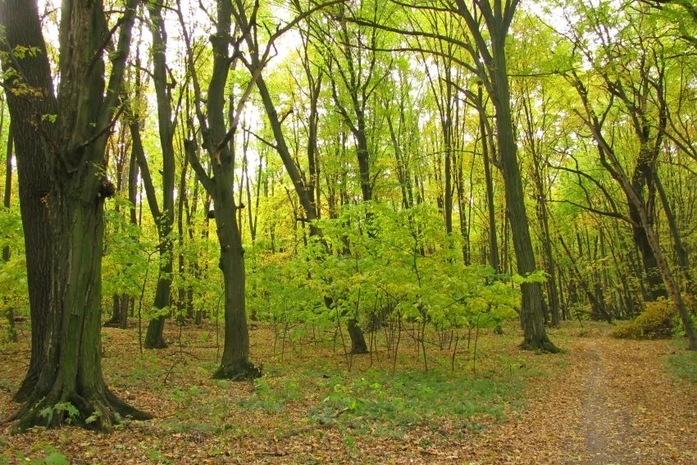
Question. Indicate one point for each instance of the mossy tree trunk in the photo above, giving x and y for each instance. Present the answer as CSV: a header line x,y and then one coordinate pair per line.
x,y
62,148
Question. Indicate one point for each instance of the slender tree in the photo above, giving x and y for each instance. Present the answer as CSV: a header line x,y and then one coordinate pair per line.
x,y
163,212
218,141
488,52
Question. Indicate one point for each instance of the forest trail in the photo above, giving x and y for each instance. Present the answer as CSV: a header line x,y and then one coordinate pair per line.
x,y
603,401
614,405
633,411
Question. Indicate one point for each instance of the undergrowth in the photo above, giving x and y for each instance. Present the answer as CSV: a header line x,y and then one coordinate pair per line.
x,y
656,322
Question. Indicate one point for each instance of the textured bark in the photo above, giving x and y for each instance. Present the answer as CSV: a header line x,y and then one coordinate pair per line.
x,y
33,172
61,164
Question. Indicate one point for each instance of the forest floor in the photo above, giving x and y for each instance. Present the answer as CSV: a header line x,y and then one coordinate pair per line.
x,y
602,401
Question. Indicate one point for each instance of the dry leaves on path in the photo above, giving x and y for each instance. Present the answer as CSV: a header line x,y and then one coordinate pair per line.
x,y
603,401
614,404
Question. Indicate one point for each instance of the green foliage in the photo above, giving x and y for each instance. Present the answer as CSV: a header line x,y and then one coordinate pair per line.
x,y
410,398
72,414
126,261
49,456
375,264
655,322
683,365
273,399
13,273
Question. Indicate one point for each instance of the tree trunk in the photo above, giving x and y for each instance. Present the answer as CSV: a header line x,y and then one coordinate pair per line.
x,y
219,143
358,344
681,255
235,363
489,181
61,166
6,202
22,27
532,312
154,336
73,373
164,216
119,311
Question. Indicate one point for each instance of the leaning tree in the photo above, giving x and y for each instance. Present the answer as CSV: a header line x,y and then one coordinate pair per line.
x,y
60,139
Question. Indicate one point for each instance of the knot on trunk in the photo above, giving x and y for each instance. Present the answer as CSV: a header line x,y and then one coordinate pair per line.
x,y
106,189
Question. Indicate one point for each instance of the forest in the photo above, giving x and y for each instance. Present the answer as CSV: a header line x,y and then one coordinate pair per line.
x,y
389,193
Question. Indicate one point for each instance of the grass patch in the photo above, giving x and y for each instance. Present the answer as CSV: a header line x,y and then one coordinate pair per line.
x,y
683,365
381,403
414,398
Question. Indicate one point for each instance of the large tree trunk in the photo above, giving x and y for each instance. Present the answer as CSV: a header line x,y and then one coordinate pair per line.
x,y
490,52
73,373
61,169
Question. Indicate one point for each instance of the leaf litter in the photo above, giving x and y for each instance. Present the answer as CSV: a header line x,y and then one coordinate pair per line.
x,y
603,401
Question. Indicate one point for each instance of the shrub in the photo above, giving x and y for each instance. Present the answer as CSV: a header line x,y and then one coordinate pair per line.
x,y
656,322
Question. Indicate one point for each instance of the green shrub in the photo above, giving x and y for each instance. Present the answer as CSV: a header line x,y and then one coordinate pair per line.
x,y
656,322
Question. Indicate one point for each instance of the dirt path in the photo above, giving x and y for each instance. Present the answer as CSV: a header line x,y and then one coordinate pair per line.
x,y
603,402
615,405
607,416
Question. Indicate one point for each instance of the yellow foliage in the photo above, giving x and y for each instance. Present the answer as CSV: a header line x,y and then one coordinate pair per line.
x,y
656,322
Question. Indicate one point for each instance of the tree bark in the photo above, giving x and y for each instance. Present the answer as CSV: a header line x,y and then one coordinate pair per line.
x,y
60,146
493,73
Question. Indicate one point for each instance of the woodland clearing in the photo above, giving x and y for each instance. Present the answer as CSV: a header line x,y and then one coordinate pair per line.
x,y
602,401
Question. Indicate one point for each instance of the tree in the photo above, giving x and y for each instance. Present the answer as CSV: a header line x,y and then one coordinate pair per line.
x,y
637,89
219,144
162,213
60,147
489,55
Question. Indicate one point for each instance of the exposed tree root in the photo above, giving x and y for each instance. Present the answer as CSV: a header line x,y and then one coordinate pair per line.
x,y
243,371
99,410
545,346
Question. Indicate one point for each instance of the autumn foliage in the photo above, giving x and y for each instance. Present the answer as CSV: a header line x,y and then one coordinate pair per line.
x,y
656,322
